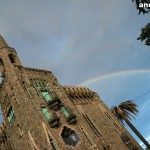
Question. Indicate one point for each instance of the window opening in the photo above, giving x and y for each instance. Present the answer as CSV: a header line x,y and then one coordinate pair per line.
x,y
87,137
69,136
11,115
26,89
12,58
93,127
53,102
46,95
1,61
45,111
53,145
52,119
50,140
41,85
70,117
37,84
34,85
111,119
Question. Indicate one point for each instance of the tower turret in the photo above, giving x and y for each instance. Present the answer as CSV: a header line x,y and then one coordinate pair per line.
x,y
2,42
8,56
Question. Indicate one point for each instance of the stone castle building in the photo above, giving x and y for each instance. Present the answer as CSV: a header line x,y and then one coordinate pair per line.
x,y
40,114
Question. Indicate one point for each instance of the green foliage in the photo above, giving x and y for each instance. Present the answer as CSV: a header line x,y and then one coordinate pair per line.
x,y
128,108
145,32
142,10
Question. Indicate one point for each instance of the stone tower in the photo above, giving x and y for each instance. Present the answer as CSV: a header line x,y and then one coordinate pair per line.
x,y
40,114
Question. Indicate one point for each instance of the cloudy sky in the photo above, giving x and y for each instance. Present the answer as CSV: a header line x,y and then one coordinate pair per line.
x,y
84,42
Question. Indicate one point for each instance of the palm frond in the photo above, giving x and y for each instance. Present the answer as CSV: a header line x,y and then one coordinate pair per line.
x,y
128,108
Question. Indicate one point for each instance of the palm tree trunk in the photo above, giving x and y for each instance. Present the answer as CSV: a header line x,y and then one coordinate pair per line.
x,y
137,132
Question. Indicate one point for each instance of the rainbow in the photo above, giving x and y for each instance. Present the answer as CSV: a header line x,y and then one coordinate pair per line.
x,y
114,74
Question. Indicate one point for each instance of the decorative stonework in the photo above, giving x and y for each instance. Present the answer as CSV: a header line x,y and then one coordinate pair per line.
x,y
32,101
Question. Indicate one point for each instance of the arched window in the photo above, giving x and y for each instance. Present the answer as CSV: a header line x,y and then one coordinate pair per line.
x,y
69,136
12,58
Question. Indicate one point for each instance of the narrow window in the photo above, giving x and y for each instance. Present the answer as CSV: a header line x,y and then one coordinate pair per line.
x,y
46,95
52,119
12,58
1,61
11,115
45,111
70,117
41,84
69,136
93,127
1,69
37,84
53,145
44,84
52,102
65,112
49,139
87,137
34,85
26,89
111,119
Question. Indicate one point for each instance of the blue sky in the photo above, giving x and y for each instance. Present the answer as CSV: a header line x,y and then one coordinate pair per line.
x,y
82,39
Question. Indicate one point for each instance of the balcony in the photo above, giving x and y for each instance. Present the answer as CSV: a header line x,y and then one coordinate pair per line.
x,y
54,103
69,115
54,121
71,119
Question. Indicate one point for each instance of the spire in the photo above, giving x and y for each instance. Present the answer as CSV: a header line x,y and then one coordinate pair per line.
x,y
2,42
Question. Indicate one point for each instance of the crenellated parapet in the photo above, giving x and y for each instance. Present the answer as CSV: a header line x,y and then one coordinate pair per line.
x,y
78,91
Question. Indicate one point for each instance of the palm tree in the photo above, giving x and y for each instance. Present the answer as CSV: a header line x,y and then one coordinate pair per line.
x,y
125,112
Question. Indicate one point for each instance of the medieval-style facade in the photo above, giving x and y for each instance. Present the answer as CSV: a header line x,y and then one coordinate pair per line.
x,y
40,114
